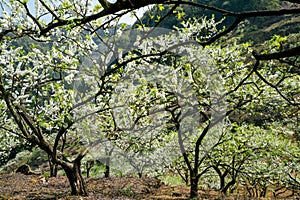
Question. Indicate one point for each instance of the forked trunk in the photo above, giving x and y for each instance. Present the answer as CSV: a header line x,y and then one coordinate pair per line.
x,y
227,186
53,170
76,181
53,167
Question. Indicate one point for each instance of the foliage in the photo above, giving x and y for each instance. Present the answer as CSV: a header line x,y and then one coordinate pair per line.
x,y
173,92
254,157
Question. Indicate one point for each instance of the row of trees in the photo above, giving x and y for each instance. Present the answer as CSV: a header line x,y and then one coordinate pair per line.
x,y
152,98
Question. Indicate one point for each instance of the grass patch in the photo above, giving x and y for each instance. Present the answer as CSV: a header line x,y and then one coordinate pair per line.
x,y
174,180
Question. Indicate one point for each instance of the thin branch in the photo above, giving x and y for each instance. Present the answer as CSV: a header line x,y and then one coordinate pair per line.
x,y
275,87
92,113
223,33
117,15
12,131
30,15
160,21
50,11
241,82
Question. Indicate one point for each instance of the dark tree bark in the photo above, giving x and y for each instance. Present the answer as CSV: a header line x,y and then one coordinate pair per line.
x,y
107,168
53,170
53,167
76,181
140,174
221,176
194,179
89,164
228,185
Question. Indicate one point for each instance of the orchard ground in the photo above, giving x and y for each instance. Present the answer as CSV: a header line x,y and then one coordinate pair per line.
x,y
19,186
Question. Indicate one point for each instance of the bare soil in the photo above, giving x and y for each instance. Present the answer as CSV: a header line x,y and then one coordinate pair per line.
x,y
19,186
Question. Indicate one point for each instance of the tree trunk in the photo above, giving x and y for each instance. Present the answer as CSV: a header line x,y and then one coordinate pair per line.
x,y
53,170
194,187
107,161
221,176
76,181
53,167
140,174
222,183
89,164
231,183
107,167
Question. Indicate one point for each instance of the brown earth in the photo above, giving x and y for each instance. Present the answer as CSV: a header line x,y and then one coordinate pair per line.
x,y
19,186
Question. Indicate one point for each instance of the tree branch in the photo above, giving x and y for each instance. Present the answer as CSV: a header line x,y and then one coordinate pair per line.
x,y
112,9
160,21
283,54
105,4
50,11
276,88
82,153
30,15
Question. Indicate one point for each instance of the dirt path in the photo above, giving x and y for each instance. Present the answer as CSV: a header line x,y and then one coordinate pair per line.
x,y
19,186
